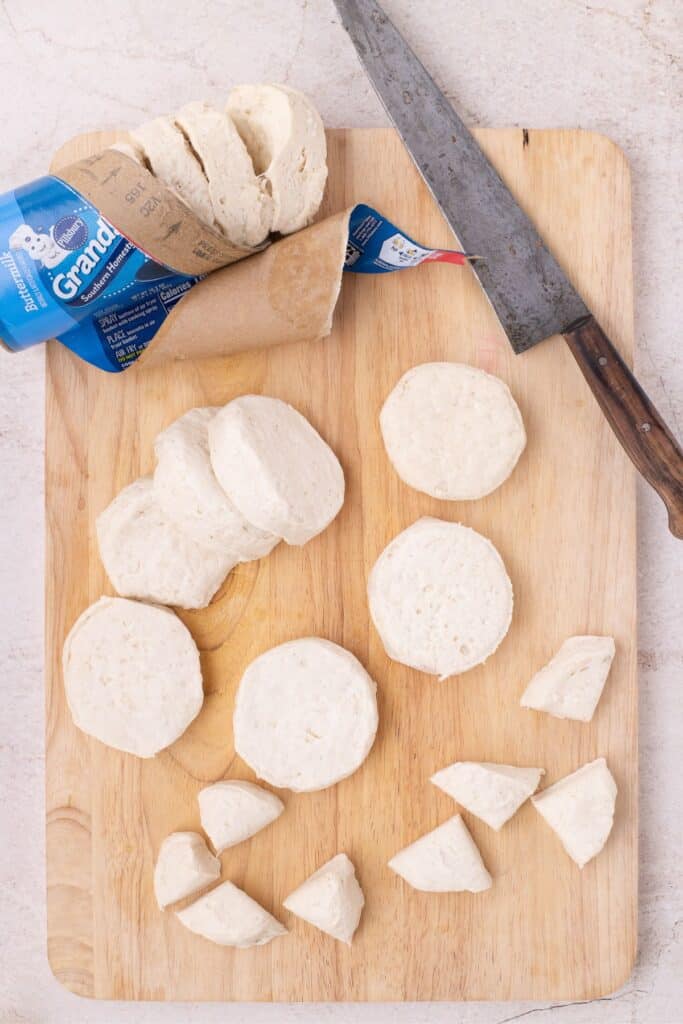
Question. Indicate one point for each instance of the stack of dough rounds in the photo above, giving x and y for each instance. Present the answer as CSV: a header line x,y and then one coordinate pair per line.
x,y
166,151
257,167
452,431
229,484
440,597
147,557
192,498
132,675
305,715
275,467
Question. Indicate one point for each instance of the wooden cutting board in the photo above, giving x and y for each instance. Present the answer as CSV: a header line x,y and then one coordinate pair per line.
x,y
565,526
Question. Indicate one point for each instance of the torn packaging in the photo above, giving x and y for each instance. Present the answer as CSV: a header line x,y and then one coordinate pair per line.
x,y
285,294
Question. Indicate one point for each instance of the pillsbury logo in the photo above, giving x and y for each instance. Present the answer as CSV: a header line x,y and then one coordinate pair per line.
x,y
71,232
66,285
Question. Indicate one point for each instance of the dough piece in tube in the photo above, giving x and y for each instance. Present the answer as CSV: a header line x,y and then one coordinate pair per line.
x,y
129,149
167,154
241,205
275,467
285,137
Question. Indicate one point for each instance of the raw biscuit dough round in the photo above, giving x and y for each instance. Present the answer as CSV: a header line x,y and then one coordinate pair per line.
x,y
132,675
440,597
275,467
305,715
452,430
241,204
192,498
285,137
149,558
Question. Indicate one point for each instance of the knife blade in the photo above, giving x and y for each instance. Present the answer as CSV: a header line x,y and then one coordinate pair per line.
x,y
525,284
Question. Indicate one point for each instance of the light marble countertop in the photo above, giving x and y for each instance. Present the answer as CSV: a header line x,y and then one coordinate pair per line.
x,y
610,66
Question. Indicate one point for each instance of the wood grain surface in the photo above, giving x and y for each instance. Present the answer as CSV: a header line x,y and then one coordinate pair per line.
x,y
565,526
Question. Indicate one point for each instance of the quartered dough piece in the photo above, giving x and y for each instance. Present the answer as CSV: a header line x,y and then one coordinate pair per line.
x,y
132,675
285,137
190,496
331,899
493,792
229,917
148,557
241,205
580,809
440,597
184,866
571,684
233,811
305,714
275,467
444,860
167,154
452,430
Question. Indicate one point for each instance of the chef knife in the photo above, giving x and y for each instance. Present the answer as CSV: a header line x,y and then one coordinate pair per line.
x,y
526,286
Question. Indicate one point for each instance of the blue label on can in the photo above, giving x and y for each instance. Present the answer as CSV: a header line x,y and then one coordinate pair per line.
x,y
66,272
376,246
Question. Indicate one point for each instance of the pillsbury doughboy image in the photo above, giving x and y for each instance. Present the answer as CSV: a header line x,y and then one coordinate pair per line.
x,y
41,247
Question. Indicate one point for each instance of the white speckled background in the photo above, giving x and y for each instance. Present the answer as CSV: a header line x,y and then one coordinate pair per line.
x,y
611,66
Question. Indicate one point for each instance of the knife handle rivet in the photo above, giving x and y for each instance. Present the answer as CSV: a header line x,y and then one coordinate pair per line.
x,y
603,360
646,428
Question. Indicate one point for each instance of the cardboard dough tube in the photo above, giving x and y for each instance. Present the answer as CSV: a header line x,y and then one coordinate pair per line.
x,y
149,214
286,293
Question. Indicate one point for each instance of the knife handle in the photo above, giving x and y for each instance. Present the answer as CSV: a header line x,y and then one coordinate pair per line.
x,y
642,432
